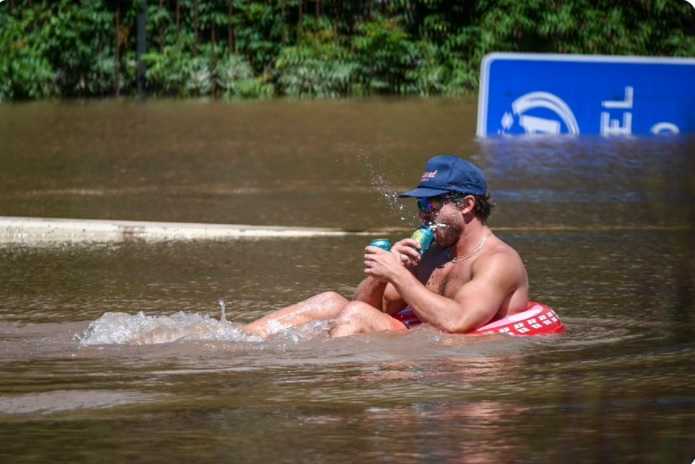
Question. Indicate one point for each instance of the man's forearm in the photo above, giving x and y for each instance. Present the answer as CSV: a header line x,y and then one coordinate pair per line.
x,y
428,306
370,291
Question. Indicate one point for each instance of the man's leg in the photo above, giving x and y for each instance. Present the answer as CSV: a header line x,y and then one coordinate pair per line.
x,y
325,306
359,317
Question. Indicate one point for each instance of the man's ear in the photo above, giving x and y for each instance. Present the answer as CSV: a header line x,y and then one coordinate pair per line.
x,y
467,204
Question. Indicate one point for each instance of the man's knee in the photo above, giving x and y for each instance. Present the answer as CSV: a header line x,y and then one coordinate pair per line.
x,y
354,318
354,310
331,298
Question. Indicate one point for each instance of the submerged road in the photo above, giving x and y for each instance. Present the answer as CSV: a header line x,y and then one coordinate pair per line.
x,y
25,229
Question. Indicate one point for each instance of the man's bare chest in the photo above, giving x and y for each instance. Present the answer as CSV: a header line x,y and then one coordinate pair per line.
x,y
446,278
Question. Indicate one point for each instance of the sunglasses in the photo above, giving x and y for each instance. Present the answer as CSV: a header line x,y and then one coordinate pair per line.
x,y
427,205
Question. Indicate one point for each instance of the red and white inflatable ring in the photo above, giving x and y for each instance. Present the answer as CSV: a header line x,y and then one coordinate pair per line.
x,y
538,319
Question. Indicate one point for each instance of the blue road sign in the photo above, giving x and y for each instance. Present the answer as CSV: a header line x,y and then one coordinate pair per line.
x,y
585,94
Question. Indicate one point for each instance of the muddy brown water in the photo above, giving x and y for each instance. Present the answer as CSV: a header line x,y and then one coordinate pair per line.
x,y
118,352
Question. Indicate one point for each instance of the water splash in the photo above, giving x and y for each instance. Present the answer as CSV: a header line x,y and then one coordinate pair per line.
x,y
374,169
117,328
140,329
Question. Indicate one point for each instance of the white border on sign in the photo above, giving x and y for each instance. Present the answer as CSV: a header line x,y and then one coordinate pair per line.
x,y
491,57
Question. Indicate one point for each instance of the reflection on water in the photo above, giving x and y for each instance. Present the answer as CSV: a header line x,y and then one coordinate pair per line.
x,y
123,346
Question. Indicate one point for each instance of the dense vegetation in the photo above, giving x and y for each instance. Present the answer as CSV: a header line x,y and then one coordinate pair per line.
x,y
320,48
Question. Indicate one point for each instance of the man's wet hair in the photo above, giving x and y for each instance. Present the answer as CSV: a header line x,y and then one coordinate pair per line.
x,y
483,203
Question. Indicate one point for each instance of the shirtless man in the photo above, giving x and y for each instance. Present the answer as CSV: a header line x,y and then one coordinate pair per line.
x,y
466,279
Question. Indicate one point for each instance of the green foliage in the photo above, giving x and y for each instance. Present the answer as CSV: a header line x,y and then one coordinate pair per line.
x,y
314,72
25,71
318,67
298,48
178,73
236,79
169,72
261,28
385,55
78,37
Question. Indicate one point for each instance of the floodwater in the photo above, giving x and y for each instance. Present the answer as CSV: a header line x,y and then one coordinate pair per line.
x,y
119,351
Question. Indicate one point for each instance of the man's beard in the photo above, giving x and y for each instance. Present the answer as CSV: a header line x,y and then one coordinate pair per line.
x,y
449,236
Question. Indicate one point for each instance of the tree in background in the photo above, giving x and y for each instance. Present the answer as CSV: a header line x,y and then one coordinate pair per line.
x,y
302,48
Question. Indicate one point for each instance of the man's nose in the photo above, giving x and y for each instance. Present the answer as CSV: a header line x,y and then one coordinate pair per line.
x,y
426,216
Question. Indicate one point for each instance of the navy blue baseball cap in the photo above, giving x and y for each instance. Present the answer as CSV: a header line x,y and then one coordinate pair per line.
x,y
449,173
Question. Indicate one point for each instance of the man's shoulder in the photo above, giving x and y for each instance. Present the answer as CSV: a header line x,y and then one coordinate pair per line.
x,y
501,246
500,254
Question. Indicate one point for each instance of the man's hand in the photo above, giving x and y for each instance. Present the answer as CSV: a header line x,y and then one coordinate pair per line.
x,y
383,265
409,251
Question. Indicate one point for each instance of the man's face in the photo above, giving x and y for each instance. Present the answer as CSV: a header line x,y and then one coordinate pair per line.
x,y
444,211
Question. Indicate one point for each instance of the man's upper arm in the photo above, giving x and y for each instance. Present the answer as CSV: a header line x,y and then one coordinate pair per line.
x,y
480,298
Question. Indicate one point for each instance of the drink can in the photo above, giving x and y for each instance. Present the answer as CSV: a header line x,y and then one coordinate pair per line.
x,y
424,235
382,243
